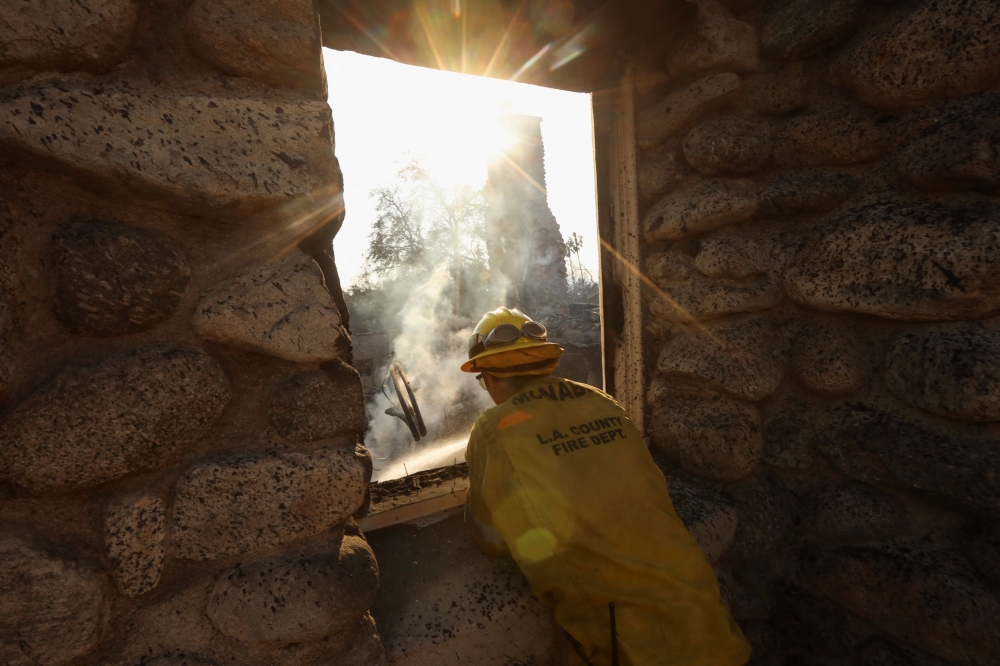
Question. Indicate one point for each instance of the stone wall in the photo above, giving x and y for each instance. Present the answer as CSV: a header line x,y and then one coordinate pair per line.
x,y
179,458
179,432
819,183
443,602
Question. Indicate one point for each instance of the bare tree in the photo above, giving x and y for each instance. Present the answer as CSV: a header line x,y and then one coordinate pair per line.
x,y
454,216
397,241
422,224
582,284
573,245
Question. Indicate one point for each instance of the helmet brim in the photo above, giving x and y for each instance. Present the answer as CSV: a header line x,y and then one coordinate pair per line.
x,y
520,352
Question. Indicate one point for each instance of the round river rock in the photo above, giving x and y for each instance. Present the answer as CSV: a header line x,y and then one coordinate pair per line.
x,y
955,374
113,279
297,598
129,412
54,610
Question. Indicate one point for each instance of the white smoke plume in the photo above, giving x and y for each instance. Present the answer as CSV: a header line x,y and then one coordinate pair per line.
x,y
431,351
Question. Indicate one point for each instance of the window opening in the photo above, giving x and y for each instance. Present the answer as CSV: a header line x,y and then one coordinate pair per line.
x,y
462,194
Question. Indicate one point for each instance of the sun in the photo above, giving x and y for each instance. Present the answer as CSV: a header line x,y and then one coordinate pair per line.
x,y
462,134
499,138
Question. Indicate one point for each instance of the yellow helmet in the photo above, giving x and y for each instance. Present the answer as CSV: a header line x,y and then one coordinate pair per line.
x,y
507,342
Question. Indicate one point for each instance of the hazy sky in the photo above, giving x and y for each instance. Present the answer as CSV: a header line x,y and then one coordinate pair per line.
x,y
385,113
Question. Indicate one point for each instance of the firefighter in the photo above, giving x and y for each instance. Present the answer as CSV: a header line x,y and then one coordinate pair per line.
x,y
561,480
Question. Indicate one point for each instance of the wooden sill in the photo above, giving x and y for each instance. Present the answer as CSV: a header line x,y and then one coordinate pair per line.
x,y
416,497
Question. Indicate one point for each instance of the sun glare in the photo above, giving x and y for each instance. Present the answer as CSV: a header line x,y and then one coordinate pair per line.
x,y
459,132
498,139
386,114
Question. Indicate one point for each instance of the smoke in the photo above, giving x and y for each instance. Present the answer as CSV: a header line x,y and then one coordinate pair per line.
x,y
431,346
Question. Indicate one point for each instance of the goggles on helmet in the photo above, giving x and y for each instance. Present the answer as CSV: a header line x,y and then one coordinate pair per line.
x,y
506,334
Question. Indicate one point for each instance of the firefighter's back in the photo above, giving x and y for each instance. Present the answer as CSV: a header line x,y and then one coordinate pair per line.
x,y
575,494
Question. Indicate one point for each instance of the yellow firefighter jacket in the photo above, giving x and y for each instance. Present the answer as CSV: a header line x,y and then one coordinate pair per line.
x,y
561,479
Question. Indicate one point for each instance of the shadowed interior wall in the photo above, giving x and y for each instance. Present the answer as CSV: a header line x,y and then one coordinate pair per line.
x,y
819,208
179,450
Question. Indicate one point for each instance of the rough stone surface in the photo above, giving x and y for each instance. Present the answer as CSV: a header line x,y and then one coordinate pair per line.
x,y
853,513
729,144
42,35
709,434
319,404
191,152
129,412
717,42
776,92
661,170
918,595
701,298
838,135
440,596
254,504
959,150
951,373
669,266
53,610
700,207
283,310
876,446
173,628
810,624
878,651
683,106
804,28
758,571
741,6
942,49
296,598
277,43
805,192
359,645
829,360
10,290
788,438
367,648
178,659
10,246
744,357
919,261
134,528
113,279
766,646
708,514
744,605
732,256
765,514
984,551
